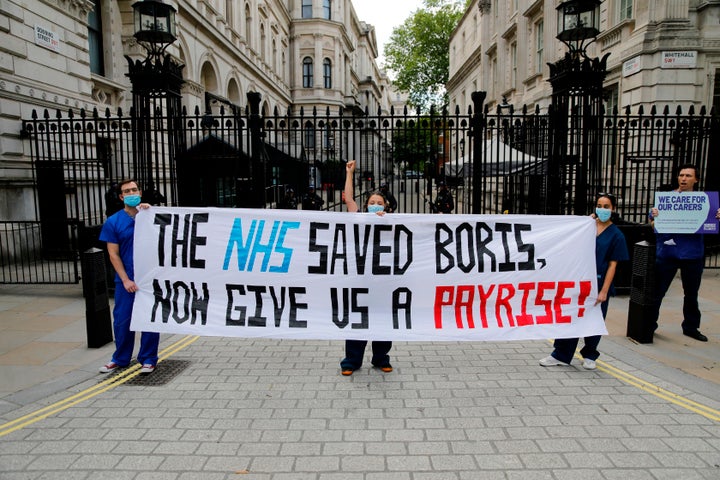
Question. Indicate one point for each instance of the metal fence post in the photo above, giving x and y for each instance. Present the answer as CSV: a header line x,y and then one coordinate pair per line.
x,y
98,324
642,294
478,139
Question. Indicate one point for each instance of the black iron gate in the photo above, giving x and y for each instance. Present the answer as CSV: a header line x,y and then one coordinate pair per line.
x,y
494,162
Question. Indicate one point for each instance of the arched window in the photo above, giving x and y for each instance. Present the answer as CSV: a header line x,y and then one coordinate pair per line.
x,y
309,136
307,9
327,73
307,72
327,4
208,78
233,92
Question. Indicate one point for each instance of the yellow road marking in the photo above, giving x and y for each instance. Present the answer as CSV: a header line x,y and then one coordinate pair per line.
x,y
90,392
648,387
134,371
652,389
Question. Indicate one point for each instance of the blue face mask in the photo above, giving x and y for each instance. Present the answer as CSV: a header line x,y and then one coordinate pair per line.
x,y
131,200
375,208
603,214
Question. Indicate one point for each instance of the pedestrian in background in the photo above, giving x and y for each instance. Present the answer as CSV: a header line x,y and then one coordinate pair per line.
x,y
444,201
113,203
289,201
610,248
355,349
684,252
118,232
311,200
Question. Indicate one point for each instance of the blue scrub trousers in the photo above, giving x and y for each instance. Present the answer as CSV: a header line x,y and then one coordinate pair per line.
x,y
565,347
355,350
124,338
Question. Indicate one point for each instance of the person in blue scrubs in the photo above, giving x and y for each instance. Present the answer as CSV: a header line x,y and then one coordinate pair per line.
x,y
610,248
118,233
355,349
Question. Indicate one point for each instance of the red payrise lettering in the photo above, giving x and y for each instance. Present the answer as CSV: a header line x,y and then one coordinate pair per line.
x,y
551,298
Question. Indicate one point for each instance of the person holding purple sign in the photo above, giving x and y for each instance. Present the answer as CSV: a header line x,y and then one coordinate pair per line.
x,y
684,252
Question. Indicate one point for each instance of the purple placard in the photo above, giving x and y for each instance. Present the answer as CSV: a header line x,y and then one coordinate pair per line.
x,y
686,212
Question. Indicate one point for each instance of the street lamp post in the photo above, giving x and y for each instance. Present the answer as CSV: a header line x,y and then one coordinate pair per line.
x,y
156,82
578,23
577,94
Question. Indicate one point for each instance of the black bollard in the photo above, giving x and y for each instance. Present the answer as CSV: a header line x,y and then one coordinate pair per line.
x,y
640,325
97,306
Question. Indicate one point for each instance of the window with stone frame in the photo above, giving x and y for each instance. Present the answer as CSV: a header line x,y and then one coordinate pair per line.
x,y
539,45
625,8
327,73
96,48
307,72
307,9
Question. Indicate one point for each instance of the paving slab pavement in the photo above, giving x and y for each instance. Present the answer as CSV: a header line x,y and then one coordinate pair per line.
x,y
264,409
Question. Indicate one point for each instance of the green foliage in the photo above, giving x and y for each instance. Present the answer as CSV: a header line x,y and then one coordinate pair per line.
x,y
415,142
418,52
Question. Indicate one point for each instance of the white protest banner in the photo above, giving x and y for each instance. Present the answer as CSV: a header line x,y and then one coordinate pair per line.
x,y
335,275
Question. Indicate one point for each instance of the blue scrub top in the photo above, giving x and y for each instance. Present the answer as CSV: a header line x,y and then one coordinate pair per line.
x,y
609,245
120,229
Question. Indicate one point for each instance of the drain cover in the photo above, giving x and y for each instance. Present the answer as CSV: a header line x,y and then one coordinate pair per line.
x,y
164,372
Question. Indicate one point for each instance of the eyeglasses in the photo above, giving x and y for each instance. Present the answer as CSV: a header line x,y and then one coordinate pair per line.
x,y
131,190
608,195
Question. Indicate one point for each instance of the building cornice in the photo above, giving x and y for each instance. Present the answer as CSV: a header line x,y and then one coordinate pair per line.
x,y
467,67
79,9
41,94
534,9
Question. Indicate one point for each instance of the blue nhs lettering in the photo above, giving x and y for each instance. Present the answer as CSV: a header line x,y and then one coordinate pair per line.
x,y
249,247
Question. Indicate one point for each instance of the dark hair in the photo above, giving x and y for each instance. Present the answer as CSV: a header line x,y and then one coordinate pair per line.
x,y
692,166
609,196
128,180
376,192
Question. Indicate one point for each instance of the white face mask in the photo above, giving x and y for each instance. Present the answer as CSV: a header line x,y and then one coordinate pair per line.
x,y
603,214
375,208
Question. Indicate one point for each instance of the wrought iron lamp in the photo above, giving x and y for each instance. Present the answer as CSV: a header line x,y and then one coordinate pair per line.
x,y
154,23
156,87
578,24
504,105
577,96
